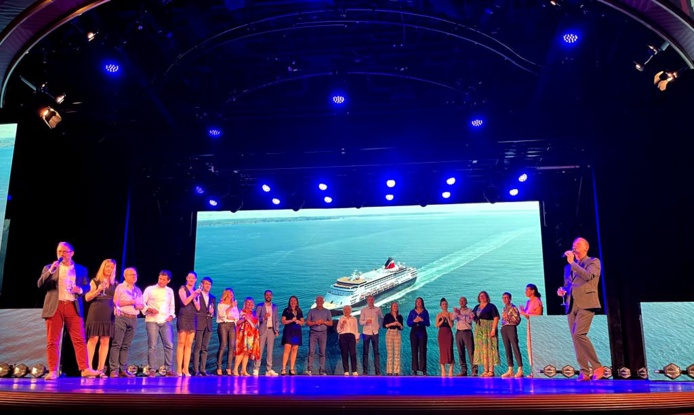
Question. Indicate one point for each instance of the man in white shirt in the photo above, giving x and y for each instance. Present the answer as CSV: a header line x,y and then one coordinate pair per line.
x,y
370,318
268,328
159,313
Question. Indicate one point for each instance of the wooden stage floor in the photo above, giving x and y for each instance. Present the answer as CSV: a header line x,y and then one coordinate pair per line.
x,y
342,394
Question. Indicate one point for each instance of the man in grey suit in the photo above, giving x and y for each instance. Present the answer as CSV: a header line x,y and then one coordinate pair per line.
x,y
581,280
65,283
268,328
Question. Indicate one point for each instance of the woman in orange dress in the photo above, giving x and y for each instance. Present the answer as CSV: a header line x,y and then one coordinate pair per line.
x,y
247,337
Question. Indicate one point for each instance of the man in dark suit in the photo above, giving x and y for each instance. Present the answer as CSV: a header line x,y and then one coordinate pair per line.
x,y
65,283
581,280
203,333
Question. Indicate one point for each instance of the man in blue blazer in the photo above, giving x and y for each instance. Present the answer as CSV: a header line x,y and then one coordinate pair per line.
x,y
65,283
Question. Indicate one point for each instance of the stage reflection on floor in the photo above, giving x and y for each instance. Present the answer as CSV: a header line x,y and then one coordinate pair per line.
x,y
320,394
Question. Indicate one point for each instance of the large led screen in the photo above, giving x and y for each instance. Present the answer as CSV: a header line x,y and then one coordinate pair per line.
x,y
454,250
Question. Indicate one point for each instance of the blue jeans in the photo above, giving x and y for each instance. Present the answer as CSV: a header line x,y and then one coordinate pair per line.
x,y
165,332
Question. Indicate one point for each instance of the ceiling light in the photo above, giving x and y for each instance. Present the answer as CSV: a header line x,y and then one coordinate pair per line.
x,y
663,78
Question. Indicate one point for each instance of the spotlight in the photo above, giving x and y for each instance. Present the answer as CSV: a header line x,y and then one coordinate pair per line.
x,y
671,371
390,183
624,372
60,98
642,373
389,197
5,369
568,371
549,371
450,181
20,370
275,201
322,186
663,78
513,192
50,117
607,372
446,195
38,370
91,36
265,188
134,370
690,371
328,199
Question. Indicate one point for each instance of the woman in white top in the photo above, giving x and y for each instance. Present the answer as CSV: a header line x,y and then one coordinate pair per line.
x,y
348,331
227,316
533,307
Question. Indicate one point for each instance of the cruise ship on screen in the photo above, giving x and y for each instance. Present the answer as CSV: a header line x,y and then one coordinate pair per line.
x,y
354,289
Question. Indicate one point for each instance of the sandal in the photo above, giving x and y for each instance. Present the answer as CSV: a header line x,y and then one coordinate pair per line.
x,y
283,372
228,372
292,372
219,372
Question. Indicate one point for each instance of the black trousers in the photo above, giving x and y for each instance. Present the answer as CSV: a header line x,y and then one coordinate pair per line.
x,y
418,342
466,341
348,348
509,335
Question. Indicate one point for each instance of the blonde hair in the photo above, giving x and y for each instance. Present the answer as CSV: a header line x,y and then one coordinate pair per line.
x,y
227,295
100,273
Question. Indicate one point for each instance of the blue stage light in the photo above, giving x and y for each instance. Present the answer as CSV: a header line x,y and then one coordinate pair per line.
x,y
522,178
265,188
513,192
199,190
213,202
446,195
477,122
450,181
323,186
390,197
275,201
390,183
570,38
339,99
111,68
214,132
328,199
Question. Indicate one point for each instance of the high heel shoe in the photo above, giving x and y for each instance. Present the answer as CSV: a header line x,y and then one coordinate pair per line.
x,y
219,372
283,372
292,372
228,372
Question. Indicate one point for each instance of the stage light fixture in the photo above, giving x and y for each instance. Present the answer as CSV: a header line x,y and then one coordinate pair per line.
x,y
390,197
549,371
146,369
265,188
652,52
624,372
20,370
134,370
523,177
235,203
491,193
5,370
446,195
91,36
390,183
328,199
275,201
642,373
513,192
663,78
671,371
568,371
450,181
38,370
50,117
607,372
322,186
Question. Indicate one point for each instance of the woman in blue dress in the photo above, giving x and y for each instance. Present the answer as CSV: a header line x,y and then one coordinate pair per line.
x,y
293,319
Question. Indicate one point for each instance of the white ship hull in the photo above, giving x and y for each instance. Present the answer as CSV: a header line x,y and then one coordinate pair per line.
x,y
354,290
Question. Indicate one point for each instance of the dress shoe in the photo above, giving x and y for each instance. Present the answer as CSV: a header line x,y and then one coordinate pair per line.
x,y
90,373
125,374
203,373
599,373
113,374
152,373
170,374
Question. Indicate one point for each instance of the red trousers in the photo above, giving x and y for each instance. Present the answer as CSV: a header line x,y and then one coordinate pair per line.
x,y
65,316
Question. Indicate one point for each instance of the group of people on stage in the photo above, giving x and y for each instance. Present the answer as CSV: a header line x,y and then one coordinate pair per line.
x,y
248,332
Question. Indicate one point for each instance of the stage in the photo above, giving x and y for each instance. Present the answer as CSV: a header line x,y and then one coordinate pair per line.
x,y
339,394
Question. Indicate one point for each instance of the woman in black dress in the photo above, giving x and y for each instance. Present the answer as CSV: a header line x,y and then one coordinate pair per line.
x,y
99,326
293,319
